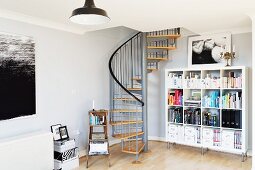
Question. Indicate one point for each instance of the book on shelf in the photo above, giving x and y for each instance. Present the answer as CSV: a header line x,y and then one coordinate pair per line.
x,y
210,119
238,140
232,100
216,137
232,81
96,120
231,119
175,115
211,100
192,116
175,97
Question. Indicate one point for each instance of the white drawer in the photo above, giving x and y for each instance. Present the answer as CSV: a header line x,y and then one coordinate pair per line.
x,y
208,134
228,139
190,131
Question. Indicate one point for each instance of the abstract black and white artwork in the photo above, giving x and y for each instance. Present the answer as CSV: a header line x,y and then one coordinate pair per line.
x,y
205,50
17,76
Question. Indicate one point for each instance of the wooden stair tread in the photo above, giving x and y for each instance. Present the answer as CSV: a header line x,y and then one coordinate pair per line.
x,y
152,69
128,135
159,59
154,47
166,35
126,110
134,89
132,150
126,122
136,78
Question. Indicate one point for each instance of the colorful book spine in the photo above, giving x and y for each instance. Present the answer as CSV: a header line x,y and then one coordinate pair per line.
x,y
238,140
175,97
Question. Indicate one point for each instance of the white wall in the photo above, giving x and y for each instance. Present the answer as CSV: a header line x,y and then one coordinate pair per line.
x,y
156,109
71,70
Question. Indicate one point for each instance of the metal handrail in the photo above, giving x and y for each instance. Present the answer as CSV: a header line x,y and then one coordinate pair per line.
x,y
115,78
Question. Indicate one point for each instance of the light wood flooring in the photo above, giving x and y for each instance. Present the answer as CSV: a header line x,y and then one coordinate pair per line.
x,y
160,158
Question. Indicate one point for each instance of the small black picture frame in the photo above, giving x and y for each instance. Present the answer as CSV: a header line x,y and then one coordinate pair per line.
x,y
63,133
55,131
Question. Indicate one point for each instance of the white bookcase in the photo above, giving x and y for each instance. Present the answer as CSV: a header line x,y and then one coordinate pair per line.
x,y
207,108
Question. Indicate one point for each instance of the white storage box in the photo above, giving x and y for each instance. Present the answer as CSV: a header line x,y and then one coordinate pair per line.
x,y
172,137
62,146
189,139
207,137
208,133
98,148
66,165
228,139
180,132
172,129
189,131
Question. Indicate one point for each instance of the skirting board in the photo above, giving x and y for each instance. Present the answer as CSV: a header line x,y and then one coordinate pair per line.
x,y
151,138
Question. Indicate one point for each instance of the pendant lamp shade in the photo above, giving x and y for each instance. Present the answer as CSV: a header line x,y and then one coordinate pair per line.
x,y
89,14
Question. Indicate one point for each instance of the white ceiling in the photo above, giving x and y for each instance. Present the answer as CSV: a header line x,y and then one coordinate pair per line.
x,y
144,15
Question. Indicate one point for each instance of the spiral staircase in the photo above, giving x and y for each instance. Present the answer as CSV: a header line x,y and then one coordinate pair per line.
x,y
128,66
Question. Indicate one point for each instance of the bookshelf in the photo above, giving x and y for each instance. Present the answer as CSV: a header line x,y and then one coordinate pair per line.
x,y
208,108
98,143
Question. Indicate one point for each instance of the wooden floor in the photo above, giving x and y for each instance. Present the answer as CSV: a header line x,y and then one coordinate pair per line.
x,y
176,158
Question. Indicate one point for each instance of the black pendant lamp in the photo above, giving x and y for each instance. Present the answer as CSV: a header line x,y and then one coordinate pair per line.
x,y
89,14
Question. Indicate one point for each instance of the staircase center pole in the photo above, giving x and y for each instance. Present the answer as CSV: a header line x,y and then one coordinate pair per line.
x,y
144,87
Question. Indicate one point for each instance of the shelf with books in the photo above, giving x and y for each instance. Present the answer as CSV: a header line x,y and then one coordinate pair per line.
x,y
211,98
231,99
232,78
175,97
175,115
211,117
192,116
221,109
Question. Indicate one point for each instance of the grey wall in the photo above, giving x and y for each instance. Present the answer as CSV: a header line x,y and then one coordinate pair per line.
x,y
156,109
71,71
